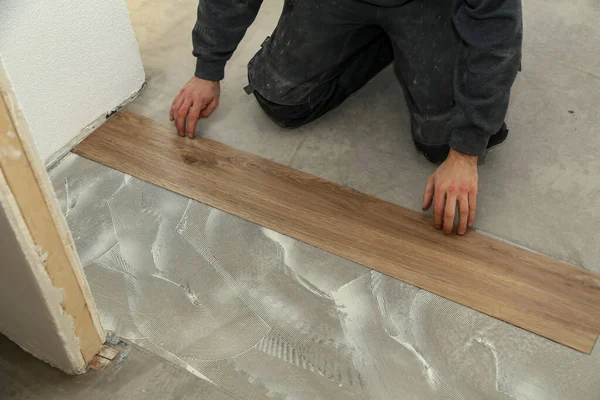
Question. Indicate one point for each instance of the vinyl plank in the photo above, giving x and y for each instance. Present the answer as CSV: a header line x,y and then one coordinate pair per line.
x,y
553,299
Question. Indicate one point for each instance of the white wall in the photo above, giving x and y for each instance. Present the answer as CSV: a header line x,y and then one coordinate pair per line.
x,y
70,63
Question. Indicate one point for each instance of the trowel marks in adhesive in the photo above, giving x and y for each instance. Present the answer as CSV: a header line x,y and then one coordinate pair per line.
x,y
264,316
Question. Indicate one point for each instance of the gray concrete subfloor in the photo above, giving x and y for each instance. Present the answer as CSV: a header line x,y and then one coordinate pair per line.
x,y
541,189
136,374
264,316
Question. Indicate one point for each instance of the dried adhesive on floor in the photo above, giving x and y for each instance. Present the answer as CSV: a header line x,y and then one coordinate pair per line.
x,y
264,316
534,292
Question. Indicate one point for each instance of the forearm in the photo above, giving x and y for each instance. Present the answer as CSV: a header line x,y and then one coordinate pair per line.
x,y
220,27
487,64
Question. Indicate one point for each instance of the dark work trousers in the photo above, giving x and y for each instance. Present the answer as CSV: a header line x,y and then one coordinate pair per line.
x,y
322,51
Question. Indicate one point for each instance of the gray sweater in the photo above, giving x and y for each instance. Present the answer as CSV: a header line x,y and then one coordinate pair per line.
x,y
488,60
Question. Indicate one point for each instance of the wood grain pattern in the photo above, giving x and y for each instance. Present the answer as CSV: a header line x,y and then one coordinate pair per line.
x,y
534,292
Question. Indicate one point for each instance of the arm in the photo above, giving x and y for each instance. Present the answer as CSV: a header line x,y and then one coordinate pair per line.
x,y
487,64
220,27
488,60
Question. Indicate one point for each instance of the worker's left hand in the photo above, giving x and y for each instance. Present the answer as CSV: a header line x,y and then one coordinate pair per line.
x,y
455,181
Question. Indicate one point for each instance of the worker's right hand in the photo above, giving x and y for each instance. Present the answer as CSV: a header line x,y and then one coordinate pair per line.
x,y
198,99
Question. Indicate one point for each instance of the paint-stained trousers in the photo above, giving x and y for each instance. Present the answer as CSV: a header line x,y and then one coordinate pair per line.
x,y
323,51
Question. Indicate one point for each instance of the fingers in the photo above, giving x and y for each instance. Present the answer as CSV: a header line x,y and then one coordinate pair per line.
x,y
203,111
449,212
454,183
177,102
438,208
198,99
472,207
428,195
192,119
463,213
182,112
185,108
210,107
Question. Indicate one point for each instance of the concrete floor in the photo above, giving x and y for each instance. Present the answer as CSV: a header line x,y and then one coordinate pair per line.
x,y
136,374
541,189
263,316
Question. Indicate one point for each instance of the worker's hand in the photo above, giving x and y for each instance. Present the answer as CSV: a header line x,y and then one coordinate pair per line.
x,y
198,99
454,181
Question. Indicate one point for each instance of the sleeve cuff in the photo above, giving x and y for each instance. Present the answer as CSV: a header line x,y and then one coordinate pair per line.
x,y
210,71
469,142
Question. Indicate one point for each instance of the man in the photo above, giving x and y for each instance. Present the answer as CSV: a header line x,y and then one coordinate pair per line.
x,y
456,60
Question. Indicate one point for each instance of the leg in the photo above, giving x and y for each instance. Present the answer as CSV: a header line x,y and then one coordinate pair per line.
x,y
426,47
318,55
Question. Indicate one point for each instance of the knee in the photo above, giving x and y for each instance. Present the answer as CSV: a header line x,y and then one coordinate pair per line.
x,y
286,116
433,129
277,82
279,96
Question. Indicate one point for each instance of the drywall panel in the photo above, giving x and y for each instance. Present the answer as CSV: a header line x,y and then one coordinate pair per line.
x,y
30,306
70,63
52,274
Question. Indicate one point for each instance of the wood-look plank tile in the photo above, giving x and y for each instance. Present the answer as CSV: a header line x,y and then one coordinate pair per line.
x,y
542,295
